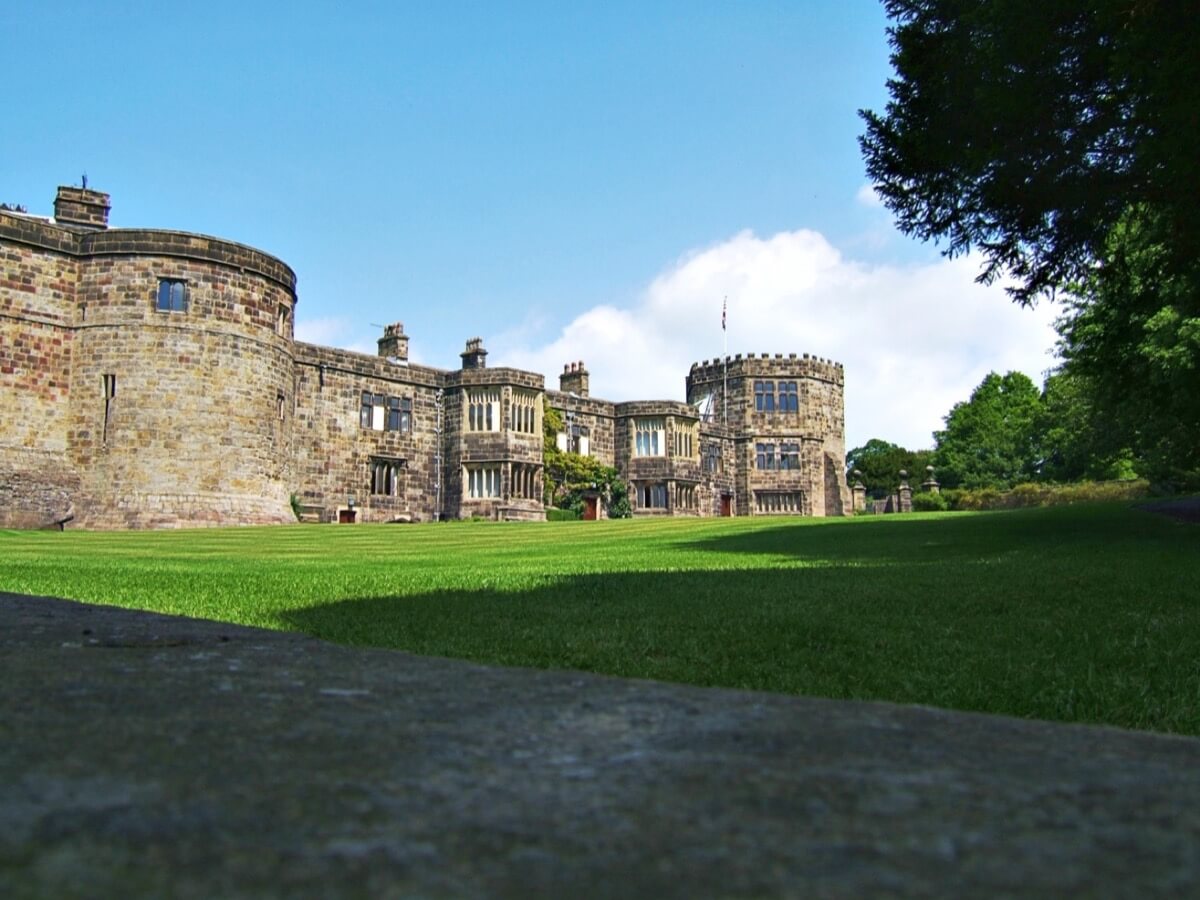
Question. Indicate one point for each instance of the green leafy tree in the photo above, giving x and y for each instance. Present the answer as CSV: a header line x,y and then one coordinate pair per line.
x,y
1026,129
1059,140
990,440
1132,337
880,463
568,477
1071,446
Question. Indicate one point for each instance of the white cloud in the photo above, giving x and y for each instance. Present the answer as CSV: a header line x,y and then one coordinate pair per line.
x,y
914,340
326,331
866,196
337,331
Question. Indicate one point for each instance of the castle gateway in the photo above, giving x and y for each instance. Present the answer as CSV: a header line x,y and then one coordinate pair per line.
x,y
151,379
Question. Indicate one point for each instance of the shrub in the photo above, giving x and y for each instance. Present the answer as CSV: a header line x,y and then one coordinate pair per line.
x,y
1029,494
561,515
618,503
929,502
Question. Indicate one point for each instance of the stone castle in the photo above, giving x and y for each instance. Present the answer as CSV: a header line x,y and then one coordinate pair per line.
x,y
150,379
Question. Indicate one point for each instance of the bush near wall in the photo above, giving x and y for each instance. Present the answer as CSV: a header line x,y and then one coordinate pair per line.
x,y
1029,494
929,502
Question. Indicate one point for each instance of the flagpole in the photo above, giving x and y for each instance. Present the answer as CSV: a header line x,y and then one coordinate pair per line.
x,y
725,364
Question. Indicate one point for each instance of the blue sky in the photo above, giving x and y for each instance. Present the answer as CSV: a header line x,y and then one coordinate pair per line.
x,y
566,180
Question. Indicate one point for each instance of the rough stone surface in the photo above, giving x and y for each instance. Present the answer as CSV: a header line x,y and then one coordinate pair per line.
x,y
142,755
817,428
122,415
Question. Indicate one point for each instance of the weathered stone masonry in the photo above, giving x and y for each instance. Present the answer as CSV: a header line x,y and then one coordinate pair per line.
x,y
150,378
122,414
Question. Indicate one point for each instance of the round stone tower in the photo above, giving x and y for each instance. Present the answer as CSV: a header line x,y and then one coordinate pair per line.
x,y
182,381
173,401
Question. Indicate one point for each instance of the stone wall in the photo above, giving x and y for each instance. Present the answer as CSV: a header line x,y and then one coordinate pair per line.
x,y
37,315
718,485
676,472
333,451
143,418
727,389
597,416
503,449
204,397
124,414
37,488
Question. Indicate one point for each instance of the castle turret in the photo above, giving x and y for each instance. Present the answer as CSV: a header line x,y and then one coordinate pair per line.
x,y
394,343
81,208
574,379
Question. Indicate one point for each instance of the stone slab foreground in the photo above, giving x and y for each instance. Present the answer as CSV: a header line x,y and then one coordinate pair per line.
x,y
143,755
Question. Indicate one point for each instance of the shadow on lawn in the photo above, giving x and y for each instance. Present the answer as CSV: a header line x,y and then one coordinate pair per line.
x,y
955,573
1045,613
956,537
979,635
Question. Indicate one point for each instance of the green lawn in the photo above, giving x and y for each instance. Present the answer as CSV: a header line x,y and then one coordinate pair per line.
x,y
1085,613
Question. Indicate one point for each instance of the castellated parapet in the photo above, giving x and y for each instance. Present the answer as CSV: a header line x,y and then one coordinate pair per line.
x,y
150,378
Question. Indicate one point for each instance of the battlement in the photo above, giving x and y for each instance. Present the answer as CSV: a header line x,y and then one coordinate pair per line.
x,y
186,245
767,365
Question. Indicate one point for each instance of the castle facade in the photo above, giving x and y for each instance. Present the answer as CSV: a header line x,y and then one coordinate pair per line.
x,y
151,378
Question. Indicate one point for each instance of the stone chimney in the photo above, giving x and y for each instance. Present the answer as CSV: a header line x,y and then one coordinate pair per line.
x,y
474,357
81,208
574,379
394,343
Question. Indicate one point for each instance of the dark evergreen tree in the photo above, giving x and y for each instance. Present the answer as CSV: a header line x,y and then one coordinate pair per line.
x,y
1026,129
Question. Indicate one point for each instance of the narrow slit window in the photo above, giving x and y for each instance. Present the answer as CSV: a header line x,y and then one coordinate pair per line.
x,y
109,386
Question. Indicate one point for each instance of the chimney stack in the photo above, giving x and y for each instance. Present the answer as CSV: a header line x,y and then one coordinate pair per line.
x,y
574,379
81,208
474,357
394,343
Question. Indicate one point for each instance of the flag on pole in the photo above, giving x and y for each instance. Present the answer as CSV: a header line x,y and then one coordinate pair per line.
x,y
724,306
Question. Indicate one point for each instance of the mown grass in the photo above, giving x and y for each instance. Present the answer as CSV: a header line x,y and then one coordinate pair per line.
x,y
1086,613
